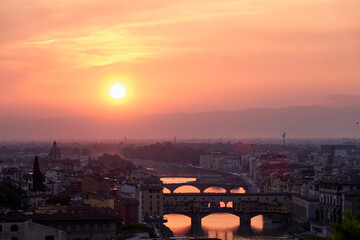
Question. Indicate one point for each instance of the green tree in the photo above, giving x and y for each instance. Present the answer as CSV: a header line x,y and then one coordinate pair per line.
x,y
349,228
10,196
61,199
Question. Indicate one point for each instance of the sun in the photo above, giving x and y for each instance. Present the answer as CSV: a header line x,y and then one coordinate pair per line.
x,y
117,91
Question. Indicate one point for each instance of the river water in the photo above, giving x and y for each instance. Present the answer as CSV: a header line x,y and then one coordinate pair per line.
x,y
220,225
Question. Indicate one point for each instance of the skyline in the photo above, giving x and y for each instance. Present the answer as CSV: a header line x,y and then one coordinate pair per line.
x,y
58,59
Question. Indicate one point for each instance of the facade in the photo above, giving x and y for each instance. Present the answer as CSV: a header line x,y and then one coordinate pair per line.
x,y
91,184
139,175
95,225
220,161
152,198
29,230
304,209
95,201
352,203
331,197
128,210
339,150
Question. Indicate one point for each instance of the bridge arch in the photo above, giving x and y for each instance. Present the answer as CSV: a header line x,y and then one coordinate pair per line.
x,y
187,188
215,189
238,190
166,190
257,223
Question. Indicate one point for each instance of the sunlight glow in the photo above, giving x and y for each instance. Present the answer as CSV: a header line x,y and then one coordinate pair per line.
x,y
117,91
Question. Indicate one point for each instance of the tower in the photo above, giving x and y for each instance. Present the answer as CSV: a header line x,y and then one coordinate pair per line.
x,y
38,180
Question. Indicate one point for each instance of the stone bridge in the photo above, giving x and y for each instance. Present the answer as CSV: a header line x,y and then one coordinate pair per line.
x,y
196,206
203,186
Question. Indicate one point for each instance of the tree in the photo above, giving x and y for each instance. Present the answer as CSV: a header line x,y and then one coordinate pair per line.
x,y
61,199
349,228
10,196
38,179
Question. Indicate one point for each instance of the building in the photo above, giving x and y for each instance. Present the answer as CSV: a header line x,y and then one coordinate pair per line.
x,y
331,197
339,150
28,230
139,175
95,225
220,161
152,198
100,202
54,153
128,210
304,209
93,184
352,203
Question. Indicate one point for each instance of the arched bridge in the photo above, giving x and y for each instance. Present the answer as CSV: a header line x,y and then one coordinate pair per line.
x,y
203,186
196,206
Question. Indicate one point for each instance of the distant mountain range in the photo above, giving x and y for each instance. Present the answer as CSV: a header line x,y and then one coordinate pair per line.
x,y
298,122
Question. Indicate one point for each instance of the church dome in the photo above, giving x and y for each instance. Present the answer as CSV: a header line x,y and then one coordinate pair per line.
x,y
54,152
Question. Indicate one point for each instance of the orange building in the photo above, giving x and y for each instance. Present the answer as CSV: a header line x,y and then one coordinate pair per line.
x,y
90,184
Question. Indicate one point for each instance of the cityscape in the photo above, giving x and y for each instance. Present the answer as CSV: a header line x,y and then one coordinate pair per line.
x,y
122,190
179,120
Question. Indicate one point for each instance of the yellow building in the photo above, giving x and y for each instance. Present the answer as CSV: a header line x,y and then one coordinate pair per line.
x,y
100,203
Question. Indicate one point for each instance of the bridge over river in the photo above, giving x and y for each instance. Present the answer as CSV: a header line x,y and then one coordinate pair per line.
x,y
202,186
199,205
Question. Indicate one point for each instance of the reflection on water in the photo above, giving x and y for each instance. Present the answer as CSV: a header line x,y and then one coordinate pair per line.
x,y
218,225
179,224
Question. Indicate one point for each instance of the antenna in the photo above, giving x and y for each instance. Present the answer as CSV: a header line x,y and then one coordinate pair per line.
x,y
357,124
284,138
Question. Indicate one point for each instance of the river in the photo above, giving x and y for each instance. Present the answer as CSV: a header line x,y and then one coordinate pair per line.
x,y
220,225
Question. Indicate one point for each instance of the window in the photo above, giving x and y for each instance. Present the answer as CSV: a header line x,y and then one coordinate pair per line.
x,y
59,227
77,227
14,228
50,237
0,228
87,227
14,238
96,227
68,227
105,226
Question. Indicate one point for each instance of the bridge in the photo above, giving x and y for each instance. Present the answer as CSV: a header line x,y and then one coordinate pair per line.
x,y
197,206
202,186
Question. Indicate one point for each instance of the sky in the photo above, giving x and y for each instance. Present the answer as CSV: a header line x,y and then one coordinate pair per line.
x,y
59,58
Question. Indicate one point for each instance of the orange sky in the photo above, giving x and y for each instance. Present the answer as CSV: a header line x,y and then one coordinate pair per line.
x,y
58,58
